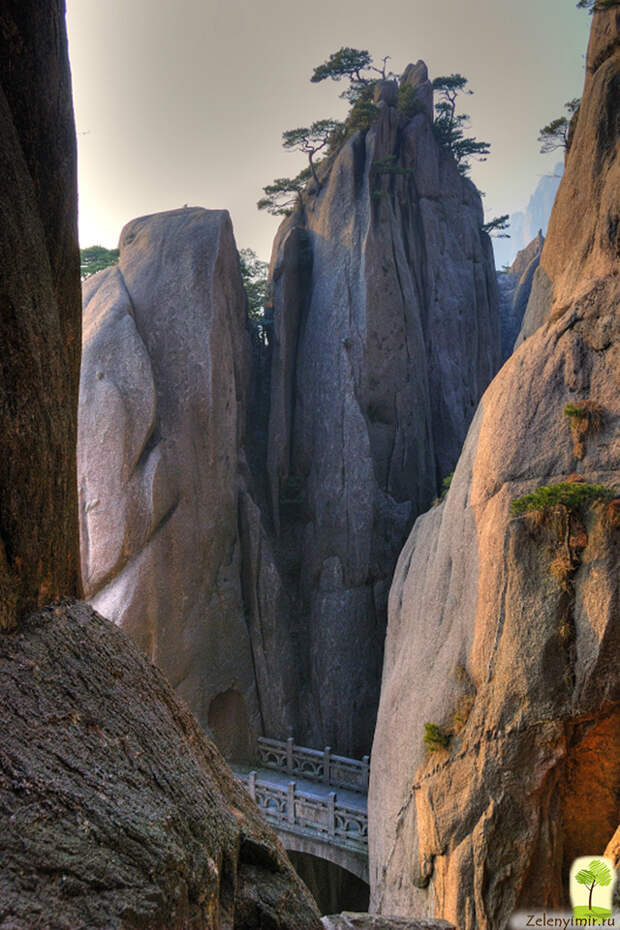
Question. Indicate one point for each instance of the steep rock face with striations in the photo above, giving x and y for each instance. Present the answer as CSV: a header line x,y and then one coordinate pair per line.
x,y
163,405
39,312
116,810
503,630
515,287
385,333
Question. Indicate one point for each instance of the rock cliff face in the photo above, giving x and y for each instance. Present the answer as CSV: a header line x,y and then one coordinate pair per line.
x,y
253,564
515,286
163,405
503,631
39,312
385,333
116,811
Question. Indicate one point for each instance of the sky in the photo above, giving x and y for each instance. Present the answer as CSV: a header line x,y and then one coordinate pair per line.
x,y
186,103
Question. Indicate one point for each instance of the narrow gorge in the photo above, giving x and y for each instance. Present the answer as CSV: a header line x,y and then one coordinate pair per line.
x,y
380,517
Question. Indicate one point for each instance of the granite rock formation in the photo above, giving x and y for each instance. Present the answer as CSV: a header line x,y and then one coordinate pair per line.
x,y
39,312
515,286
384,335
116,811
503,631
163,408
243,503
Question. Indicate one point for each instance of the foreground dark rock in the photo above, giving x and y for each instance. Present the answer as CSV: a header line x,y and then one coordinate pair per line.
x,y
39,311
116,811
503,631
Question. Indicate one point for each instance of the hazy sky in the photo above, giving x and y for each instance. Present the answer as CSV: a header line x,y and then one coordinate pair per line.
x,y
186,102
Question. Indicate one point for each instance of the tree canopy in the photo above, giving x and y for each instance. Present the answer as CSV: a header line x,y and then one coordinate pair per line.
x,y
555,134
254,273
349,63
597,6
312,140
497,226
95,258
449,126
326,136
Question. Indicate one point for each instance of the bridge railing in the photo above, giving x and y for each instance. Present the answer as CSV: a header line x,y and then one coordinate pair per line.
x,y
315,764
326,819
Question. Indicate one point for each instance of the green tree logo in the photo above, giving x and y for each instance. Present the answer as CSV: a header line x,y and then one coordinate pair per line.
x,y
598,873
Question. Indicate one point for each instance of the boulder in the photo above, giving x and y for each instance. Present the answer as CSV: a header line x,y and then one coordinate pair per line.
x,y
116,811
163,408
39,312
499,718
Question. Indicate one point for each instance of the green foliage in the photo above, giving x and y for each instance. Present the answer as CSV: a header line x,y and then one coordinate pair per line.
x,y
388,165
573,496
445,485
349,63
254,273
555,134
597,6
449,126
600,872
95,258
407,103
435,738
313,139
283,195
497,226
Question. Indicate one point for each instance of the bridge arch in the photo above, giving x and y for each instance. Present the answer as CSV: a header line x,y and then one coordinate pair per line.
x,y
351,861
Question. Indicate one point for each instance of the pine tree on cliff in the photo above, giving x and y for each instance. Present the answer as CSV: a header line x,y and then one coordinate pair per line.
x,y
597,6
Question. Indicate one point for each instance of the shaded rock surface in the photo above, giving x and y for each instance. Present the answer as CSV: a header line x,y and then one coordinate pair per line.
x,y
384,335
116,810
503,632
351,921
515,286
163,408
39,311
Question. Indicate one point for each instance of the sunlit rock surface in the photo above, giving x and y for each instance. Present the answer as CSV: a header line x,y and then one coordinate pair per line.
x,y
503,632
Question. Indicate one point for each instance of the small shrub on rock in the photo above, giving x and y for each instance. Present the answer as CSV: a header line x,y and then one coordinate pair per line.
x,y
574,496
435,738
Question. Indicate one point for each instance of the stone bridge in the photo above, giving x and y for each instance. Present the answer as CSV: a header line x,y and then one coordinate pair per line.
x,y
293,787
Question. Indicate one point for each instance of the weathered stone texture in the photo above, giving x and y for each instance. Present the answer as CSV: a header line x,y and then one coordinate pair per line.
x,y
163,405
39,311
116,811
385,334
504,631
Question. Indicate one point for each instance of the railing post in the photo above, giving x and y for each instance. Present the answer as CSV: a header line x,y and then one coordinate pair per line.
x,y
291,802
365,771
289,754
252,785
327,752
331,815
